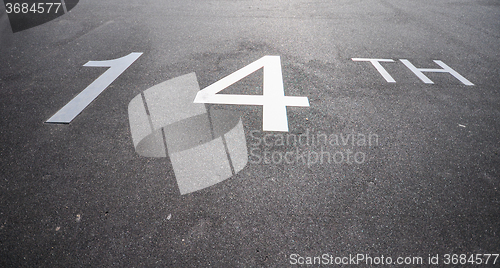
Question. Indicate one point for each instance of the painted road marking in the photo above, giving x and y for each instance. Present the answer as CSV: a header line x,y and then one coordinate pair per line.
x,y
117,66
273,100
417,71
446,69
378,66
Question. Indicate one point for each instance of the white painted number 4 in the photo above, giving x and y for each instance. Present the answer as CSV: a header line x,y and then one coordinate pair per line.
x,y
273,100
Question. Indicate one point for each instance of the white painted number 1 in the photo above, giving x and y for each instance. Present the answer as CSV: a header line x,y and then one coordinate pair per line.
x,y
273,100
117,66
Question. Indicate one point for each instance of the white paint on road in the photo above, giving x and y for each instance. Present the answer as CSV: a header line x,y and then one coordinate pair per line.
x,y
445,69
117,66
273,100
378,66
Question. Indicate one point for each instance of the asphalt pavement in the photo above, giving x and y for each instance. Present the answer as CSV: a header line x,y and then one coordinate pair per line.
x,y
395,159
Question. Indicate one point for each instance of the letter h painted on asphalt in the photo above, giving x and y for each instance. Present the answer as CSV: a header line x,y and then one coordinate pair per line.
x,y
419,72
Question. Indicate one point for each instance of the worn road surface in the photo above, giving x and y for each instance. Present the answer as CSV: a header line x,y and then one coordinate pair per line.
x,y
396,155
